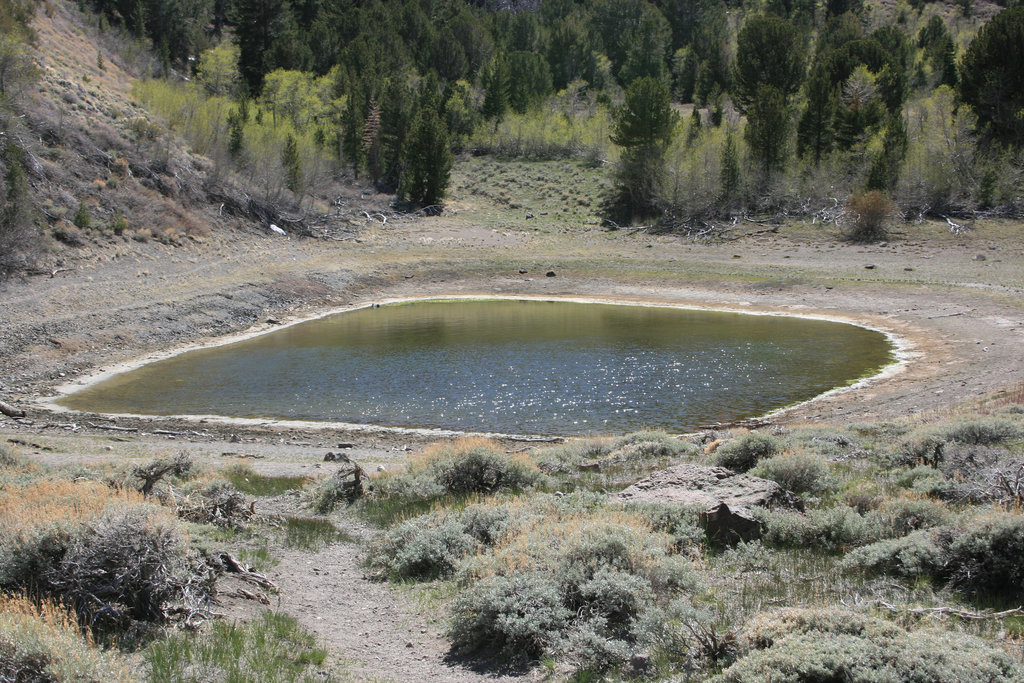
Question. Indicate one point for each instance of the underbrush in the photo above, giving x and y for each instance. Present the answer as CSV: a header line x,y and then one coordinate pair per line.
x,y
597,589
271,647
446,472
249,481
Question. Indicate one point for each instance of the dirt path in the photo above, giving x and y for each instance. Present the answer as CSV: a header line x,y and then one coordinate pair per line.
x,y
373,628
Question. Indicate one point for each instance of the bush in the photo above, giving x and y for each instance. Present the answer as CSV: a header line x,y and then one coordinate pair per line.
x,y
870,214
815,645
899,516
424,548
745,452
519,616
483,470
983,555
797,471
830,529
682,524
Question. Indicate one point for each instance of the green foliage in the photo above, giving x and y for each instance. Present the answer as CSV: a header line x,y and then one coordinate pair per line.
x,y
249,481
990,81
798,471
746,451
769,52
428,160
292,163
879,651
483,470
423,548
831,529
81,218
18,236
979,555
271,647
643,126
518,616
311,533
768,129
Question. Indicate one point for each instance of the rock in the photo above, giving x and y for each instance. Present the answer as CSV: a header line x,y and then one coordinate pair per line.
x,y
705,487
550,273
346,445
273,321
725,525
276,230
523,271
329,457
870,266
234,438
980,257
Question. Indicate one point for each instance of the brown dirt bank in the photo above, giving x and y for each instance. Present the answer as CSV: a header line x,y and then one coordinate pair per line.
x,y
954,300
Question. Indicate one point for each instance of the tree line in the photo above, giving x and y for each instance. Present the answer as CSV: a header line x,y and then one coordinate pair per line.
x,y
795,90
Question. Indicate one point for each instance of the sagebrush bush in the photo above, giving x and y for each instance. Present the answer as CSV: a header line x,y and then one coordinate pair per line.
x,y
799,471
981,554
681,523
830,529
820,645
870,214
483,470
426,547
745,452
519,616
896,517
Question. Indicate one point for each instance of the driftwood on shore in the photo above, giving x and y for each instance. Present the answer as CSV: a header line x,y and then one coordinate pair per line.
x,y
10,411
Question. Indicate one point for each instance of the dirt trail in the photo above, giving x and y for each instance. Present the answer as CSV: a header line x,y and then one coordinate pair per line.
x,y
374,628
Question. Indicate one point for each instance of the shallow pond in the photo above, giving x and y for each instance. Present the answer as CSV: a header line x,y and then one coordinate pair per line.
x,y
511,366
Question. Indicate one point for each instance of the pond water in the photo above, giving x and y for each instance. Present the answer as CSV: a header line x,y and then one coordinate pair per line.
x,y
510,366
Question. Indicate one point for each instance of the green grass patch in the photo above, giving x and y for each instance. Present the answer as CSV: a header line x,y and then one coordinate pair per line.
x,y
249,481
312,533
272,647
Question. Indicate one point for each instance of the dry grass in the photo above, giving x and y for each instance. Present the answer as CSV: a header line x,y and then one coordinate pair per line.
x,y
53,501
43,638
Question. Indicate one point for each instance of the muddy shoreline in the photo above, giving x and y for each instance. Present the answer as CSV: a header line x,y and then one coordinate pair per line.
x,y
959,339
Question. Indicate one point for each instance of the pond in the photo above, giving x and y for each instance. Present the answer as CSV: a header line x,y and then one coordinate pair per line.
x,y
507,366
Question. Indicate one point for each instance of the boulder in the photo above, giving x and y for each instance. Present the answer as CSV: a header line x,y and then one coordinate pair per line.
x,y
724,497
705,487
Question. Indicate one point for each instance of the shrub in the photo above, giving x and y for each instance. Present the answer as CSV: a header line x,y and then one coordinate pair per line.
x,y
427,547
983,555
81,218
590,646
870,214
122,568
519,616
916,554
900,516
483,470
682,524
745,452
798,471
814,645
830,529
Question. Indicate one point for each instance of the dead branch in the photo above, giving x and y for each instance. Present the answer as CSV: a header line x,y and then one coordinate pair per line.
x,y
943,612
155,471
10,411
246,573
247,595
113,428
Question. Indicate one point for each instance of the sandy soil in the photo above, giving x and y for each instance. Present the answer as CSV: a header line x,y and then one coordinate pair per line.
x,y
954,303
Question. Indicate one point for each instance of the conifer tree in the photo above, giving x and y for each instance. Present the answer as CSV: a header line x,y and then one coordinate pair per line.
x,y
292,163
428,160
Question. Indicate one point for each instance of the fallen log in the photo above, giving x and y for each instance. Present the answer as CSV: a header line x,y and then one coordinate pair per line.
x,y
10,411
113,428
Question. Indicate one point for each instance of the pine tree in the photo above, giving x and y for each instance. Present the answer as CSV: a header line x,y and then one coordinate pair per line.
x,y
643,127
767,131
18,239
495,82
729,175
428,160
372,143
292,163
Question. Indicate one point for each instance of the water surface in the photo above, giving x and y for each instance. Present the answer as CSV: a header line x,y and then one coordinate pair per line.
x,y
525,367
